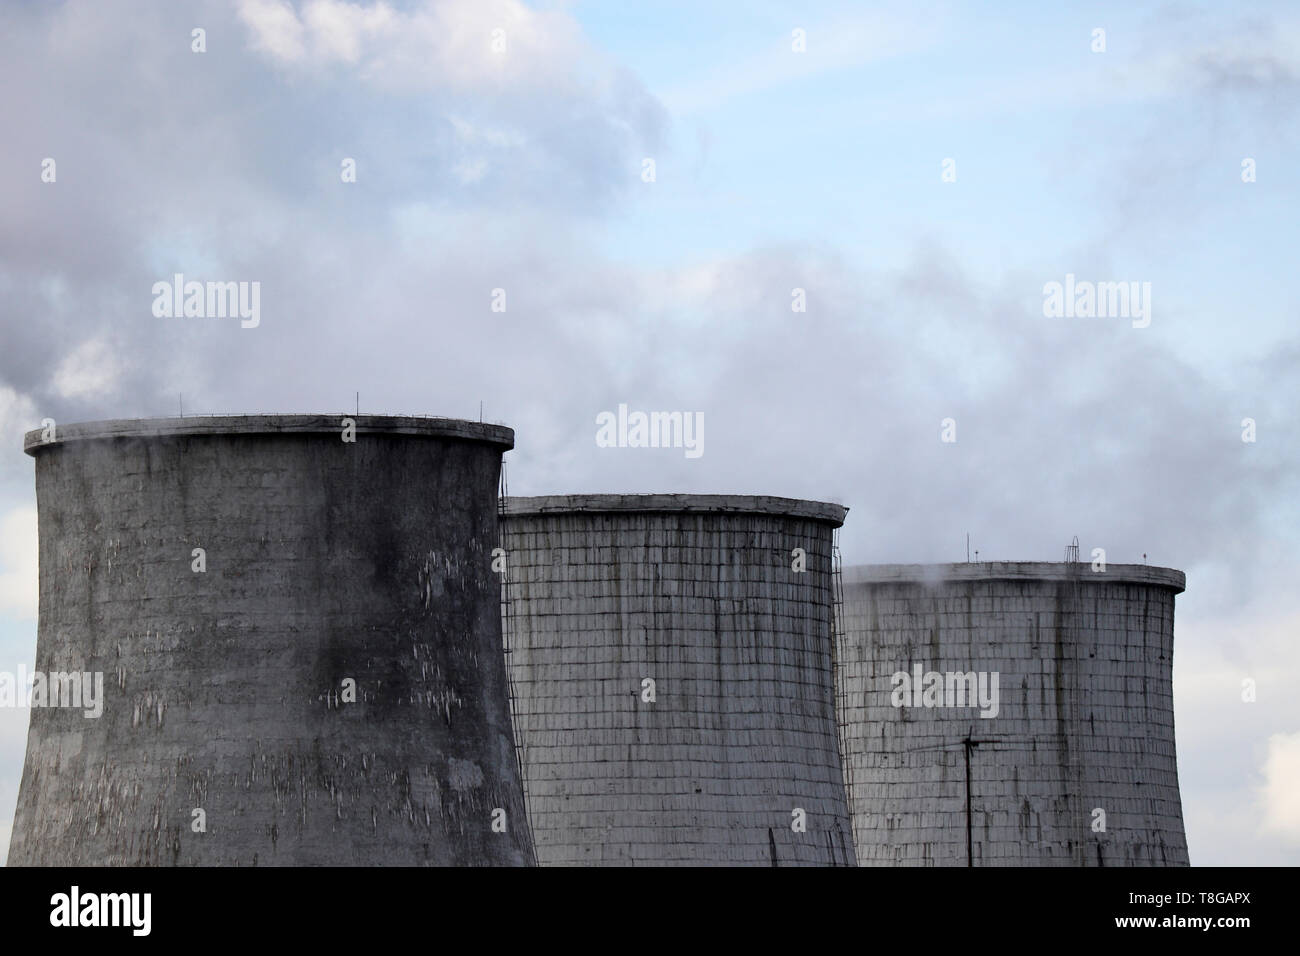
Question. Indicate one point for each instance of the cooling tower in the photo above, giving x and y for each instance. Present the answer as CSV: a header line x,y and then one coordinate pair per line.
x,y
671,663
300,642
1071,762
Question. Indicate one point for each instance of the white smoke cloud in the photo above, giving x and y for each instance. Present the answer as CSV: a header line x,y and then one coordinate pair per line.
x,y
17,415
457,45
90,371
1281,790
383,286
18,564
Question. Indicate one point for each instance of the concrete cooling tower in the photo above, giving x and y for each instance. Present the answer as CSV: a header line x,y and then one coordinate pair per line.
x,y
1010,714
292,633
671,663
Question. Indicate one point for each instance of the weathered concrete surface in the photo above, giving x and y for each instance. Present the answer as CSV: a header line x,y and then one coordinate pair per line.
x,y
326,560
1085,716
696,593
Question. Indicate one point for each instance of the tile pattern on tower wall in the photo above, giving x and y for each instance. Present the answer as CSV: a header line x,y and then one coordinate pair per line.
x,y
742,729
1085,722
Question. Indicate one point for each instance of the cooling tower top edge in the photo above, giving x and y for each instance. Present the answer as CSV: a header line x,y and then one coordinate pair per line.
x,y
232,425
937,574
822,511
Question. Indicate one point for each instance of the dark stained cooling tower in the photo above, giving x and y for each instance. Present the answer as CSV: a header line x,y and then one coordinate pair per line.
x,y
230,732
1075,764
730,756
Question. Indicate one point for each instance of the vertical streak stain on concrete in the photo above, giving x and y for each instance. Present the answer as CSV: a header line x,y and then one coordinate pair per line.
x,y
697,593
223,691
1085,720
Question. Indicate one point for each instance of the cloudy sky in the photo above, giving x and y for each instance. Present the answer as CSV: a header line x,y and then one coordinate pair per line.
x,y
499,145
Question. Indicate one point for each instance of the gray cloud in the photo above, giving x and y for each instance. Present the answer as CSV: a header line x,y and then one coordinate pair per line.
x,y
226,166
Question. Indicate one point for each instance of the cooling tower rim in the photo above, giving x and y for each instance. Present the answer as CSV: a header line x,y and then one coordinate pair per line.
x,y
939,574
543,505
232,425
